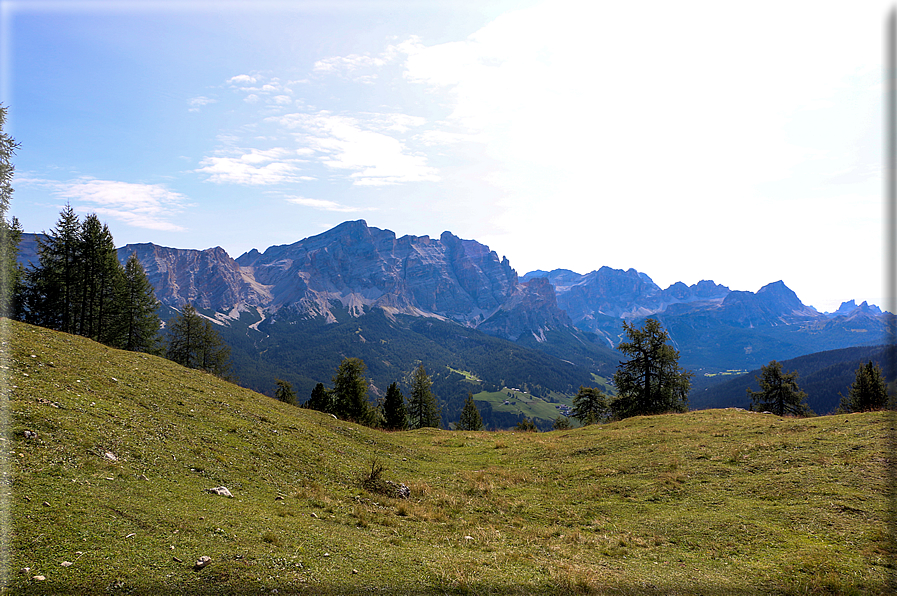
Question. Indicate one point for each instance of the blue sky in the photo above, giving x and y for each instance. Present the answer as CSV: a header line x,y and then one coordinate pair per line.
x,y
728,141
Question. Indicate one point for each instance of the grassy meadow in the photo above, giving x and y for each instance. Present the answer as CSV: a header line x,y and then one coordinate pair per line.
x,y
110,495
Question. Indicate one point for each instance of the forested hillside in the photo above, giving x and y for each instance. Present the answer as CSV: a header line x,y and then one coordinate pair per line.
x,y
824,376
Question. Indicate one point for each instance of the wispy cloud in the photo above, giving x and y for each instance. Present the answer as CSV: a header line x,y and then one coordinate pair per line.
x,y
149,206
242,79
325,205
257,167
345,143
198,102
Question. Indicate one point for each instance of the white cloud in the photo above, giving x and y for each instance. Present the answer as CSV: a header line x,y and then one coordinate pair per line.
x,y
254,168
343,143
251,98
324,205
242,80
198,102
148,206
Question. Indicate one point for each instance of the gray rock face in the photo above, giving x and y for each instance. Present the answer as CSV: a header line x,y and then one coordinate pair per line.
x,y
588,299
352,266
207,279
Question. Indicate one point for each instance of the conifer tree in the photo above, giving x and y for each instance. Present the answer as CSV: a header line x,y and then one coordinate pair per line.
x,y
423,409
11,273
651,381
470,416
137,321
779,392
52,298
590,406
10,231
194,343
321,399
284,392
395,414
350,391
868,391
99,278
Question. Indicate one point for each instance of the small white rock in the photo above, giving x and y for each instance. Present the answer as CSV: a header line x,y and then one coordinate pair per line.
x,y
66,563
38,578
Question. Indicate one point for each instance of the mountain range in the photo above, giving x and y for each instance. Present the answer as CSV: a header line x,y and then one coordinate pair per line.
x,y
357,276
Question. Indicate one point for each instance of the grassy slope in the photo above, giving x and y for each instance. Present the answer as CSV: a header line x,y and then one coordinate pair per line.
x,y
710,502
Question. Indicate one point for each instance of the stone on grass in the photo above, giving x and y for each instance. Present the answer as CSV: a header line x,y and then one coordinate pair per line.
x,y
66,563
220,491
202,562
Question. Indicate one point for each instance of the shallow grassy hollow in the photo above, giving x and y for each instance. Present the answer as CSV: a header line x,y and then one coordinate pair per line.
x,y
709,502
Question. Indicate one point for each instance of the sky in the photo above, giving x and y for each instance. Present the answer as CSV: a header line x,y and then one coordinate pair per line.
x,y
731,141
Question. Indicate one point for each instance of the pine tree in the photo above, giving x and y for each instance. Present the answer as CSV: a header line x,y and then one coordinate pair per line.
x,y
868,391
321,399
284,392
651,381
52,298
395,414
350,391
561,423
194,343
470,416
527,425
779,392
423,409
590,406
12,274
99,279
137,322
10,231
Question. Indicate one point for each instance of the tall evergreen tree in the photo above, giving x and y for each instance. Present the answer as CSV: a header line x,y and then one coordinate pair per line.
x,y
52,298
10,231
194,343
590,406
868,391
321,399
423,409
99,277
779,392
651,381
137,321
470,416
12,274
395,414
350,390
284,392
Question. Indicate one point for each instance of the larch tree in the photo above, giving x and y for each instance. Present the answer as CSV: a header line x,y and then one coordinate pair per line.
x,y
779,392
350,391
137,321
284,392
194,343
651,381
395,414
590,406
423,409
868,391
10,231
470,416
321,399
53,292
99,279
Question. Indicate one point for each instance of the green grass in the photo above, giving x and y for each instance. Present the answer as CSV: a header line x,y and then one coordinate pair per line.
x,y
708,502
523,403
